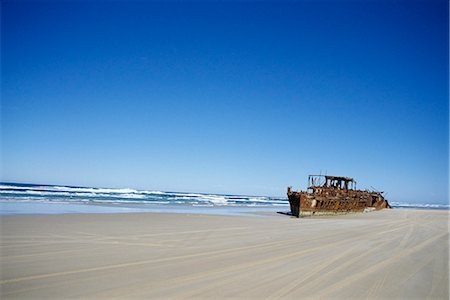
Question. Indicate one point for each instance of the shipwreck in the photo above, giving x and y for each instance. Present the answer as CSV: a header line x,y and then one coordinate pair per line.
x,y
328,195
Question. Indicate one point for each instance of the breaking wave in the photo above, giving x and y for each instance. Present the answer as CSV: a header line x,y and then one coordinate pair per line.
x,y
62,194
419,205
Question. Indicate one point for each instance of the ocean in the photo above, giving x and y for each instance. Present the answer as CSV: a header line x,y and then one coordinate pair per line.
x,y
17,198
20,198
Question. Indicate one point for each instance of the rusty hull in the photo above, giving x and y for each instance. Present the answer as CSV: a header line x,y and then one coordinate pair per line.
x,y
333,195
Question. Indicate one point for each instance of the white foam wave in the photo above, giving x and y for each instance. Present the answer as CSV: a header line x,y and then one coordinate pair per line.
x,y
74,194
69,189
125,192
15,187
420,205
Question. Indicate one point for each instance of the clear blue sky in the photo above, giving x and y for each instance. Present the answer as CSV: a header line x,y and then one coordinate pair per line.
x,y
240,98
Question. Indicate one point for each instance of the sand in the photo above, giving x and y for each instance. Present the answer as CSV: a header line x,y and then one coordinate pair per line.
x,y
379,255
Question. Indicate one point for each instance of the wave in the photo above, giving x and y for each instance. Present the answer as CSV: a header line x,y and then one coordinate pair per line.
x,y
55,193
56,188
73,194
419,205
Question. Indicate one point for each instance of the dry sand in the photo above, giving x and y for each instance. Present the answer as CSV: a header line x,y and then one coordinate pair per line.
x,y
387,254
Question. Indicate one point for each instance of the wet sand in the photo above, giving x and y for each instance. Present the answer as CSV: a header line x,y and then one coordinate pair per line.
x,y
380,255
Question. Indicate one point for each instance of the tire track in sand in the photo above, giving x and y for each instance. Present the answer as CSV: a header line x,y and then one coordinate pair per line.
x,y
325,293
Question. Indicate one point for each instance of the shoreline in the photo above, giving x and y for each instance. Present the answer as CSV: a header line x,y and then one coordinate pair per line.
x,y
17,208
385,254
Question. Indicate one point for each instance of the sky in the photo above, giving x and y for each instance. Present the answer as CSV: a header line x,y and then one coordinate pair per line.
x,y
226,97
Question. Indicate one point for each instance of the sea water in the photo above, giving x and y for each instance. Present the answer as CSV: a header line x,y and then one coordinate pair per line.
x,y
18,198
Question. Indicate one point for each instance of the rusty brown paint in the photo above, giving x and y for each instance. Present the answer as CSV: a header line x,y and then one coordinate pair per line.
x,y
333,195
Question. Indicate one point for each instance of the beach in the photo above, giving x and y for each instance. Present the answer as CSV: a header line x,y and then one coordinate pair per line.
x,y
389,254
